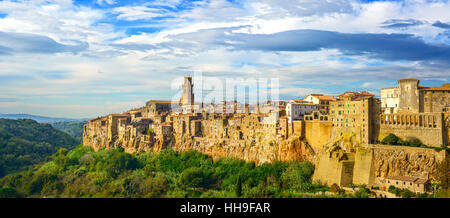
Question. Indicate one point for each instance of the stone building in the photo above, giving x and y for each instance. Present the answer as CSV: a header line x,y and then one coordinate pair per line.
x,y
412,112
409,97
354,116
322,101
413,184
187,98
157,107
296,110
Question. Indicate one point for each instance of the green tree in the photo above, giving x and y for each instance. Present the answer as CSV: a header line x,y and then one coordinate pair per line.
x,y
442,174
120,162
239,186
194,177
9,193
391,139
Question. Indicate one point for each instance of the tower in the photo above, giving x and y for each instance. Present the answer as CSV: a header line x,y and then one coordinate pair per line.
x,y
409,95
187,98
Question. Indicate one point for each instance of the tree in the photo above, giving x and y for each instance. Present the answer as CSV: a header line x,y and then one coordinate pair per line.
x,y
391,139
119,162
193,177
239,186
442,175
362,192
334,188
9,193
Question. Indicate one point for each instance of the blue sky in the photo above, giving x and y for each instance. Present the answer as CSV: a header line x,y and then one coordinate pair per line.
x,y
88,58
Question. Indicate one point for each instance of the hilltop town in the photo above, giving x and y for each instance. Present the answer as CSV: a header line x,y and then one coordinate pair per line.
x,y
342,135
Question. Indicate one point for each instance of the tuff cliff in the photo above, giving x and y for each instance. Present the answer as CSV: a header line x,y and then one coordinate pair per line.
x,y
405,161
258,145
373,164
263,150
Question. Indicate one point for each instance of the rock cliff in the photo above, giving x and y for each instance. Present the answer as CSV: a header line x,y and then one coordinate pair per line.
x,y
405,161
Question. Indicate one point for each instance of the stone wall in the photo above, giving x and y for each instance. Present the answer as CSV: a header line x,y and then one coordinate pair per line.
x,y
318,133
429,128
334,167
374,163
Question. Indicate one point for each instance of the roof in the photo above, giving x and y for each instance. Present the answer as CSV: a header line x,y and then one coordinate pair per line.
x,y
408,179
302,103
421,181
119,115
326,98
408,79
162,102
445,87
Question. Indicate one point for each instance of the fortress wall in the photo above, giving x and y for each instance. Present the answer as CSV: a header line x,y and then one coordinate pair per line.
x,y
372,164
364,168
318,133
427,127
330,169
428,136
405,161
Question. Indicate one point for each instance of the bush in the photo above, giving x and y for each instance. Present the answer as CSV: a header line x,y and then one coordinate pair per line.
x,y
334,188
392,139
362,192
120,162
194,177
9,193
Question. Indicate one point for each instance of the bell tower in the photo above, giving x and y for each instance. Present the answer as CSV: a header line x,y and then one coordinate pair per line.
x,y
187,98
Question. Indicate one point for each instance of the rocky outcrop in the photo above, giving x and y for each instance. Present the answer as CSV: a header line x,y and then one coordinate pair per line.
x,y
260,147
405,161
266,150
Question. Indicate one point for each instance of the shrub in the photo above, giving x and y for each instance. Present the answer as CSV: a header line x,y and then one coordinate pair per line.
x,y
120,162
194,177
362,192
9,193
392,139
334,188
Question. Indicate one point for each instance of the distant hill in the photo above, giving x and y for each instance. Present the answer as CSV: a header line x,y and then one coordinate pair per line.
x,y
40,119
73,128
25,142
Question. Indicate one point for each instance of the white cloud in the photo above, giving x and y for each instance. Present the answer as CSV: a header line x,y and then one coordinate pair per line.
x,y
119,64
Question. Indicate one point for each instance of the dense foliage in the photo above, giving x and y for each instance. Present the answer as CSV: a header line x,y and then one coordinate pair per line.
x,y
392,139
114,173
73,128
25,142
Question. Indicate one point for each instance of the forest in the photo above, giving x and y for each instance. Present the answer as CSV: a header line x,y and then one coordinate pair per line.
x,y
25,142
114,173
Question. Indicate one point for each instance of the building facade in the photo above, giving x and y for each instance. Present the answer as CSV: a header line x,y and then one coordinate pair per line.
x,y
297,111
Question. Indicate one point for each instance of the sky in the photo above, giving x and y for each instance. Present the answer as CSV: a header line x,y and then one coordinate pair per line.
x,y
88,58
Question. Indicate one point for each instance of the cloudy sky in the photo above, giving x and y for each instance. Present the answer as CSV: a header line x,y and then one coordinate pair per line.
x,y
87,58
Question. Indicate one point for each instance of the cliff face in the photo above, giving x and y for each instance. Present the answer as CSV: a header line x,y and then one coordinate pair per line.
x,y
266,150
405,161
260,147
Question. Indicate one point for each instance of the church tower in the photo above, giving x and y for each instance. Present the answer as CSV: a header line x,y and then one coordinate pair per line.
x,y
187,98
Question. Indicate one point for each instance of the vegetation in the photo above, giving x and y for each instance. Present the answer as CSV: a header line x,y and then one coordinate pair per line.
x,y
363,192
73,128
406,193
392,139
25,142
114,173
443,178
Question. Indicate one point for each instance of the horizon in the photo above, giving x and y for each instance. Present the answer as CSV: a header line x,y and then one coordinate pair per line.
x,y
78,59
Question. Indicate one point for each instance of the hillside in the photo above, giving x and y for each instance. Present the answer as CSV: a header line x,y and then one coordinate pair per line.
x,y
73,128
25,142
114,173
40,119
